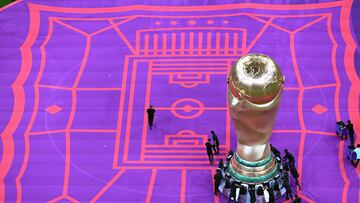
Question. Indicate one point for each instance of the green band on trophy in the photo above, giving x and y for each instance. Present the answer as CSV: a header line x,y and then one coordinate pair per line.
x,y
253,164
248,179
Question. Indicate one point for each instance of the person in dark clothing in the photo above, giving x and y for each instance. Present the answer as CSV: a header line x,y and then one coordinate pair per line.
x,y
242,190
287,187
295,175
209,151
151,115
252,193
221,164
286,166
232,195
259,191
276,187
217,181
351,132
216,142
227,183
289,157
268,193
271,195
297,199
275,151
228,158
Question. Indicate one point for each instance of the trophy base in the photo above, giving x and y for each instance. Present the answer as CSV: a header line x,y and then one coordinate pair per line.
x,y
252,174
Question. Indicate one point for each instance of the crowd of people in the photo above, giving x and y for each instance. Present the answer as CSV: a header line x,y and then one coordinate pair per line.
x,y
272,189
345,132
280,185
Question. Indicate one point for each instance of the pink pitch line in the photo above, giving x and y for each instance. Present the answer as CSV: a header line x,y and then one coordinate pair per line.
x,y
188,8
215,64
164,43
183,186
269,23
226,15
193,108
155,44
173,43
57,199
190,68
107,186
127,19
147,102
343,172
243,43
130,109
256,39
192,28
72,130
19,99
151,186
176,146
92,19
147,151
200,60
70,199
177,156
71,27
217,42
82,88
299,107
72,116
311,23
166,167
313,87
178,53
304,131
122,36
191,43
120,113
182,43
353,99
166,162
191,72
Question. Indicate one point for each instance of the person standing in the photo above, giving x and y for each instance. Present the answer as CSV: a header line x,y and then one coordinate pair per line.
x,y
275,151
266,195
252,193
271,195
357,151
232,196
350,129
289,157
217,181
295,175
276,187
287,187
221,164
209,151
216,142
297,199
151,115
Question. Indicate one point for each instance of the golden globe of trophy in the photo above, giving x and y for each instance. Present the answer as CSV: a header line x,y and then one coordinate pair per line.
x,y
254,94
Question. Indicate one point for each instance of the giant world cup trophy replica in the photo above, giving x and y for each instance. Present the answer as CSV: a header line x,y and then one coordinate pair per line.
x,y
254,94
